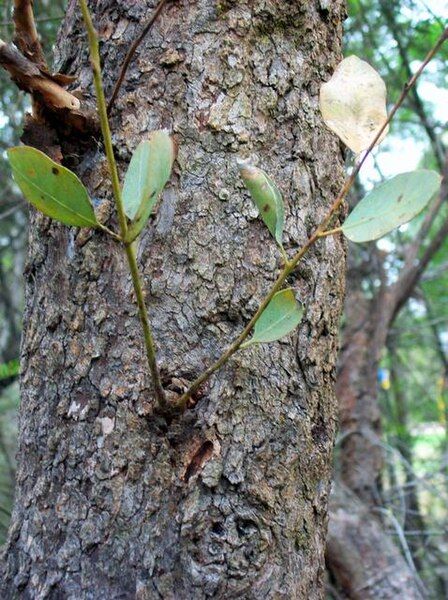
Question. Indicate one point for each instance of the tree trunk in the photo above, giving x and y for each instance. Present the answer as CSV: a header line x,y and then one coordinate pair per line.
x,y
362,558
229,500
365,337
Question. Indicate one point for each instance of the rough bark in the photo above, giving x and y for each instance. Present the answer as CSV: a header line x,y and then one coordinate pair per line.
x,y
230,500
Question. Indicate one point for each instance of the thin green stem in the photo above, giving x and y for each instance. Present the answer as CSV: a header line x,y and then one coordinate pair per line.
x,y
129,249
147,333
102,111
283,253
319,232
287,270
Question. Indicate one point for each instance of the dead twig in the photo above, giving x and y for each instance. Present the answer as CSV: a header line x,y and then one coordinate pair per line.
x,y
131,52
53,107
26,37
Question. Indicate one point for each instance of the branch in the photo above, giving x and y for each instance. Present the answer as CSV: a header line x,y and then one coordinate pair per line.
x,y
436,144
410,280
405,548
131,52
318,233
429,219
52,104
413,249
435,273
29,78
11,210
438,337
26,37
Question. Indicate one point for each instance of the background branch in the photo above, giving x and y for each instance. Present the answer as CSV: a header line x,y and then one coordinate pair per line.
x,y
436,143
26,37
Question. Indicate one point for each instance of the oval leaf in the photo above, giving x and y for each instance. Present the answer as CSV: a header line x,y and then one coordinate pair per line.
x,y
147,175
353,103
280,317
391,204
266,197
51,188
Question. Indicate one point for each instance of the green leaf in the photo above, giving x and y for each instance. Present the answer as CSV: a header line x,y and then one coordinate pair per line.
x,y
267,198
51,188
279,318
391,204
147,175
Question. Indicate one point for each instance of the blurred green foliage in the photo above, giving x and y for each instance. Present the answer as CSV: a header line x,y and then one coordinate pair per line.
x,y
9,401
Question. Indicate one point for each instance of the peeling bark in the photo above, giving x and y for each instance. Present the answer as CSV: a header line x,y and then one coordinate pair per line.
x,y
230,500
29,77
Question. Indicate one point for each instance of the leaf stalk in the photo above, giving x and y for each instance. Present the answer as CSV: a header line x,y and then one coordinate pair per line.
x,y
330,232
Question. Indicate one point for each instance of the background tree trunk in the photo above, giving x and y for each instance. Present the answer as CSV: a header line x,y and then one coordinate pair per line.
x,y
365,336
361,454
363,560
230,500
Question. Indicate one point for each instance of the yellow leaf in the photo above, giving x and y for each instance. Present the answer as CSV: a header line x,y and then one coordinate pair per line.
x,y
353,103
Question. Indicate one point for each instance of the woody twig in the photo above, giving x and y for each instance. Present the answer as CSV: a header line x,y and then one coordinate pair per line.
x,y
25,62
26,37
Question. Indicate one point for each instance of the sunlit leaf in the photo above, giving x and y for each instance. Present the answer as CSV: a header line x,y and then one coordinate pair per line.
x,y
147,175
51,188
353,103
266,197
280,317
391,204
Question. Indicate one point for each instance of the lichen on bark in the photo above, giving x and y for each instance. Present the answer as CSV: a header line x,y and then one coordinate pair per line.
x,y
229,500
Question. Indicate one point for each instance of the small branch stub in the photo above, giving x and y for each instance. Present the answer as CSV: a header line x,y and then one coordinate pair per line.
x,y
29,78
